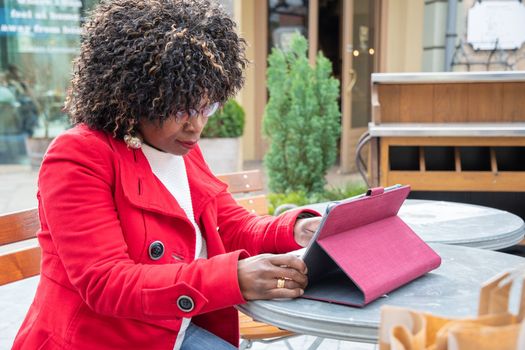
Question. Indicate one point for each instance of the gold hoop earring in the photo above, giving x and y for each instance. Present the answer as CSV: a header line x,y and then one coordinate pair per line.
x,y
133,142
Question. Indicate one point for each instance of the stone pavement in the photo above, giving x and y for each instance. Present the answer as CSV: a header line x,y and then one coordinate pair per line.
x,y
17,188
18,191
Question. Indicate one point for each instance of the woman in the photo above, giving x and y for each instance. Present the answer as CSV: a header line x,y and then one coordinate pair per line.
x,y
142,247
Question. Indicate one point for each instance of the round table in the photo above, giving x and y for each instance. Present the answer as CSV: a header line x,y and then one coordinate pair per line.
x,y
458,223
451,290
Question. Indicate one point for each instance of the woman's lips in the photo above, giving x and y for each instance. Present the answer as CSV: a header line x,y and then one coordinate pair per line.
x,y
188,144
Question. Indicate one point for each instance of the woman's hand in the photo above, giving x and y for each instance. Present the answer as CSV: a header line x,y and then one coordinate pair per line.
x,y
304,229
270,276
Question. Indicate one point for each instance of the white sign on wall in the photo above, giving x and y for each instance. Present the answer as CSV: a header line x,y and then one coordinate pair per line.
x,y
496,22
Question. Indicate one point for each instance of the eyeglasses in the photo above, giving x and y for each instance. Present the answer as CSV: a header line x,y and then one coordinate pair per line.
x,y
206,111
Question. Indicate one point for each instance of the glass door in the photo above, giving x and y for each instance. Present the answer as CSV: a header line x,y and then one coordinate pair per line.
x,y
358,52
344,31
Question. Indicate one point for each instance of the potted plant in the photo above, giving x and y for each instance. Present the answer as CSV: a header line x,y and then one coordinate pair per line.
x,y
221,138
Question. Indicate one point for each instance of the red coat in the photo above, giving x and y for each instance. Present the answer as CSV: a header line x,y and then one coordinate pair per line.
x,y
100,209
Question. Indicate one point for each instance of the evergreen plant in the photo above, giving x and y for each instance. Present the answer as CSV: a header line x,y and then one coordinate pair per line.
x,y
301,120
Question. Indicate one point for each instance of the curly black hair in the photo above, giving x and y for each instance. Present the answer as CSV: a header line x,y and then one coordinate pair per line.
x,y
148,59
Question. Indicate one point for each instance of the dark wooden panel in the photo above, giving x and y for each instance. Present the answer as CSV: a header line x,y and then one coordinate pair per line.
x,y
416,103
450,103
389,103
513,102
485,102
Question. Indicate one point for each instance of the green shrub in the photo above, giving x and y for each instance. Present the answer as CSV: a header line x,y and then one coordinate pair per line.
x,y
301,198
226,122
298,198
337,193
301,120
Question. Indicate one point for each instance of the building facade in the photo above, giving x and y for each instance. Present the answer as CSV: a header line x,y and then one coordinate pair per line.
x,y
365,36
352,34
40,38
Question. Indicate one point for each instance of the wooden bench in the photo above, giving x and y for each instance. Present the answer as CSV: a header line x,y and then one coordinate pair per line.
x,y
19,250
242,185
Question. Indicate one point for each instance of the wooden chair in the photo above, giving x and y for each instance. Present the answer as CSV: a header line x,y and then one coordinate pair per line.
x,y
245,183
19,250
242,185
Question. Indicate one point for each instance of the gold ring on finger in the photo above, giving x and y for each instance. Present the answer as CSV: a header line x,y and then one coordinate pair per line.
x,y
280,283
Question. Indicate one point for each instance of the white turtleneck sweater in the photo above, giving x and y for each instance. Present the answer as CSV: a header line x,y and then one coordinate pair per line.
x,y
171,171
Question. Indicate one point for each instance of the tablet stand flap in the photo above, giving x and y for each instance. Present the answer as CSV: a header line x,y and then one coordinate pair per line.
x,y
381,256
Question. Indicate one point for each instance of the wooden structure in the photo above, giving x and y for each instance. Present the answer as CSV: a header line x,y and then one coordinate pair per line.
x,y
19,250
449,131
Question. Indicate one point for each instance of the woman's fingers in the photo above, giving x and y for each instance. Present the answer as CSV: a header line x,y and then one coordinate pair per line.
x,y
292,275
288,260
285,293
272,276
289,289
288,284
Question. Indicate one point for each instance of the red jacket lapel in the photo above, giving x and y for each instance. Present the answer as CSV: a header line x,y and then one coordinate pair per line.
x,y
144,189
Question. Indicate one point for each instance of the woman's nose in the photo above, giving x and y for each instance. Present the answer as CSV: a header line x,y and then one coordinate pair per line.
x,y
196,123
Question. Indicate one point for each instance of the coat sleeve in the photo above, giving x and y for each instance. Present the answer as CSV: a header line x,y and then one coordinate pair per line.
x,y
76,186
241,229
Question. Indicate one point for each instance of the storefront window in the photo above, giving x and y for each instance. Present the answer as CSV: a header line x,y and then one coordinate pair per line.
x,y
38,41
286,17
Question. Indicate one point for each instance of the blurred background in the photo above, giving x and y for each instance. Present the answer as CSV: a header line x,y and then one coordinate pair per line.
x,y
40,38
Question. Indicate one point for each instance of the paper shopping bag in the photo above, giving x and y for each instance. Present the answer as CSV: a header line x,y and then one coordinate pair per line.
x,y
495,328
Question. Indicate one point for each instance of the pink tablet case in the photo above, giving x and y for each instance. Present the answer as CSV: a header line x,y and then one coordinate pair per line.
x,y
364,250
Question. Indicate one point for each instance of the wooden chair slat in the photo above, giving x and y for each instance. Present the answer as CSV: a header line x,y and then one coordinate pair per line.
x,y
255,204
19,226
243,181
20,264
253,330
266,334
19,250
